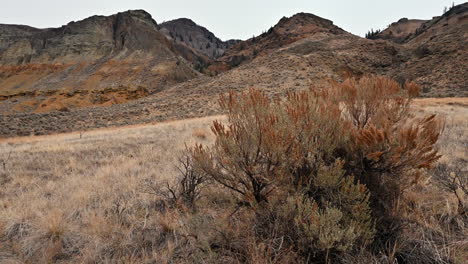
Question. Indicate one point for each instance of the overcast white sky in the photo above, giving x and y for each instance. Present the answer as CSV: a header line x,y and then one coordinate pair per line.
x,y
239,19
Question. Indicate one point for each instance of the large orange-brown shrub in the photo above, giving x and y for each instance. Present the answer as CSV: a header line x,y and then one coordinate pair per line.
x,y
327,164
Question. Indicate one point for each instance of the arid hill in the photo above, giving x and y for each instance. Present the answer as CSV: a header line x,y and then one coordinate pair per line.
x,y
297,65
301,51
287,31
434,52
97,61
401,30
438,55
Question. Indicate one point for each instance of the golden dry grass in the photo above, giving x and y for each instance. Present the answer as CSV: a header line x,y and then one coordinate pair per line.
x,y
77,188
453,144
81,197
454,141
435,208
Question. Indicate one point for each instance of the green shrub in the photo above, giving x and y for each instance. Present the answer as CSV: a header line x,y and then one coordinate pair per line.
x,y
338,218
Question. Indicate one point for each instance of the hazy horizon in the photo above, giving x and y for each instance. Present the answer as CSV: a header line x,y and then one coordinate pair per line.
x,y
230,20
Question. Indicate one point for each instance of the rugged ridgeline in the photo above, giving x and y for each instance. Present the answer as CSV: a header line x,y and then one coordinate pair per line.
x,y
298,52
287,31
195,43
185,31
101,60
324,52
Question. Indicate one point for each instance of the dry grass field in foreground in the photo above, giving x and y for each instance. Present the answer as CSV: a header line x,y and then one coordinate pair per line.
x,y
82,197
71,185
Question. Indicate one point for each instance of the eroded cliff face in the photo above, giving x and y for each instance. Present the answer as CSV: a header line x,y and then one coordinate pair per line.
x,y
187,32
99,60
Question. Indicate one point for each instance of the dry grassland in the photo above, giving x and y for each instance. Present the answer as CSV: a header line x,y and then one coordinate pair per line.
x,y
77,187
454,141
82,198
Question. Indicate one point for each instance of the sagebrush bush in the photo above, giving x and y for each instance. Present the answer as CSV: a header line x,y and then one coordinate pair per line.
x,y
454,179
187,186
388,147
327,164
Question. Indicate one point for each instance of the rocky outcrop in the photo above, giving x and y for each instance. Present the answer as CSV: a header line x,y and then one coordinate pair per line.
x,y
185,31
90,39
100,53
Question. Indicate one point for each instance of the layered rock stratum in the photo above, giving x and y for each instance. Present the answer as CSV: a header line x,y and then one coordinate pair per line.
x,y
187,32
97,61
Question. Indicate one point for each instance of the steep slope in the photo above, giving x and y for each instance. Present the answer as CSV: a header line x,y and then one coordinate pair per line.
x,y
401,30
434,52
185,31
286,31
438,54
99,60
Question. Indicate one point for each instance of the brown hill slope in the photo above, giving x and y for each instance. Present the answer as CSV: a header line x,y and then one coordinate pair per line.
x,y
286,31
438,54
303,51
295,66
401,30
96,61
